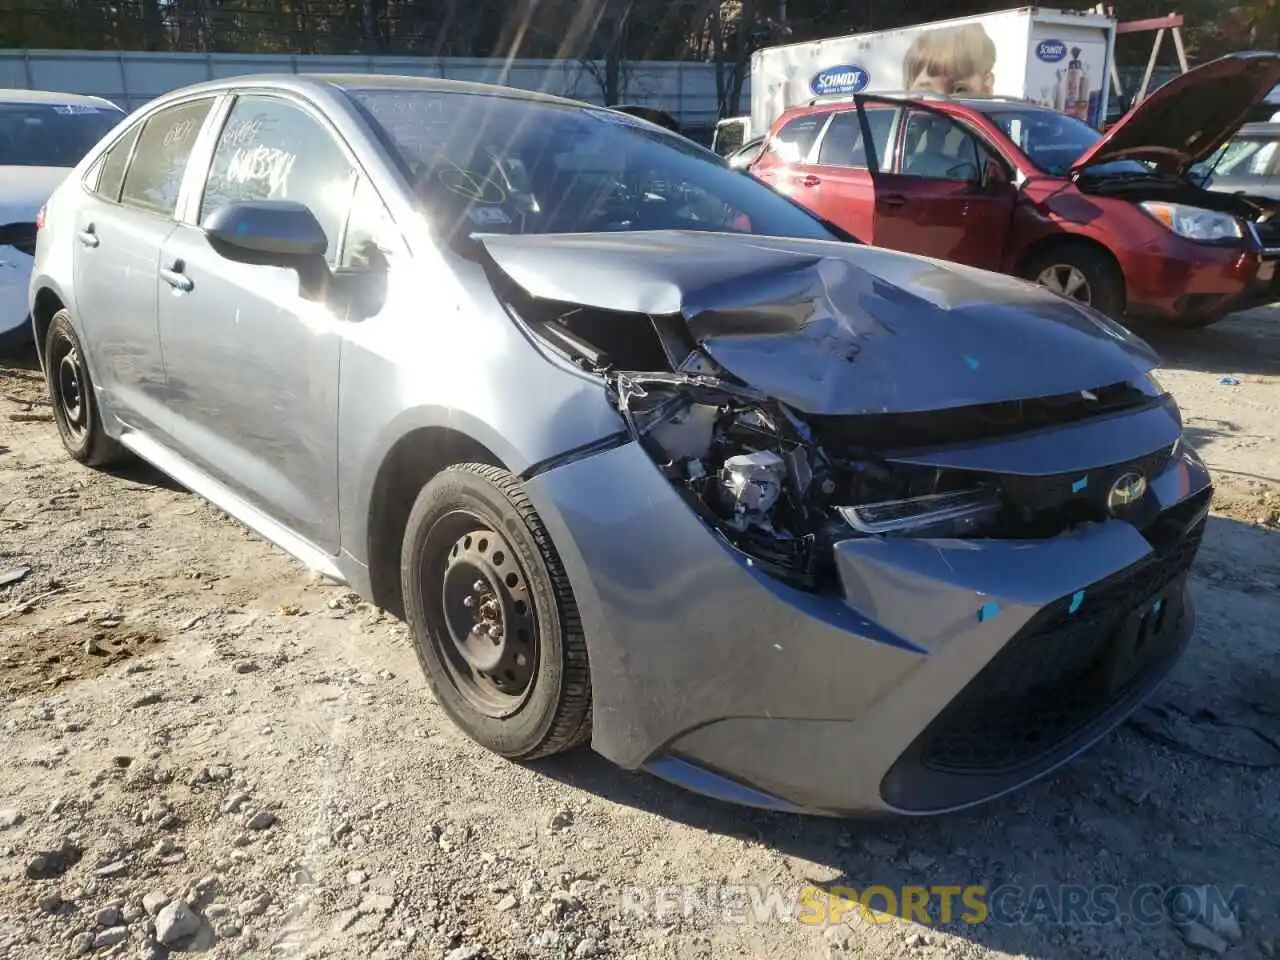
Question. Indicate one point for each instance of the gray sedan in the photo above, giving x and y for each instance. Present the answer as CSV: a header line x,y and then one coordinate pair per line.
x,y
646,455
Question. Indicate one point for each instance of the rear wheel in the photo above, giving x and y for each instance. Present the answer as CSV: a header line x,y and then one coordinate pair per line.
x,y
75,409
494,619
1082,273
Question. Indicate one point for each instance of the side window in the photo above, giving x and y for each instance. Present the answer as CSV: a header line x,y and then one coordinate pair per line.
x,y
842,144
112,165
1265,162
271,149
794,141
939,148
154,177
371,233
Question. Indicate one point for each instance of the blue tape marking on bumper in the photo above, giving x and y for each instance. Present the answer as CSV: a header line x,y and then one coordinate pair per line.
x,y
1155,607
692,777
1077,598
1080,484
988,611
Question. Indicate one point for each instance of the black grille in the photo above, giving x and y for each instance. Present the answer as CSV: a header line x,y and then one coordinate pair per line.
x,y
910,431
1268,233
1044,685
1088,488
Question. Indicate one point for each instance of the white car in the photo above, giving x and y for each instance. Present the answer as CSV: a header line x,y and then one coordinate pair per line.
x,y
42,136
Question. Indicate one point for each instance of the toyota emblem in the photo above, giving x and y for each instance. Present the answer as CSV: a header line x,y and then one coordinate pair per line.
x,y
1127,490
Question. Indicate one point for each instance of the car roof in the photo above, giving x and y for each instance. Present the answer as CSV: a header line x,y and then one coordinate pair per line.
x,y
314,82
53,97
968,104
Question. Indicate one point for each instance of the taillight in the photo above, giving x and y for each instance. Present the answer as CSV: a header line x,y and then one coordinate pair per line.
x,y
40,218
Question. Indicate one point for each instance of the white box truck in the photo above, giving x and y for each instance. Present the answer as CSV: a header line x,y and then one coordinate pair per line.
x,y
1056,58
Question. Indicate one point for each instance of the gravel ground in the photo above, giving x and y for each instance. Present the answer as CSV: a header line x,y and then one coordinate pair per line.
x,y
208,750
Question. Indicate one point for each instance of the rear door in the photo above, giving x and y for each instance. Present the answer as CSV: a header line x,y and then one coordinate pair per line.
x,y
844,192
945,195
784,163
121,223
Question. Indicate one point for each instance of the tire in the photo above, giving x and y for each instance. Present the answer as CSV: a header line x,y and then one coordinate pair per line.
x,y
459,574
1103,287
75,408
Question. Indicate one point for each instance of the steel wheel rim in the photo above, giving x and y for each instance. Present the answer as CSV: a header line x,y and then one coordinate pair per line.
x,y
1069,281
488,632
71,393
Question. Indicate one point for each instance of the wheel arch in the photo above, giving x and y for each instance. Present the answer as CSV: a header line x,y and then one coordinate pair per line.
x,y
1043,245
48,301
411,461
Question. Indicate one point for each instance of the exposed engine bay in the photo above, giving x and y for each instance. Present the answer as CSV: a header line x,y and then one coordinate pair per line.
x,y
787,393
1139,187
752,469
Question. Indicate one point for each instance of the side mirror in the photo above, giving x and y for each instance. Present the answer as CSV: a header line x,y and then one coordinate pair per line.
x,y
278,233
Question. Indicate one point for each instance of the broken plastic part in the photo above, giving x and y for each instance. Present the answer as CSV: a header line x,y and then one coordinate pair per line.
x,y
687,433
752,482
957,510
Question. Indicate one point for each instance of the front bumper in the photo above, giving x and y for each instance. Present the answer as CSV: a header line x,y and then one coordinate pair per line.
x,y
905,694
1201,282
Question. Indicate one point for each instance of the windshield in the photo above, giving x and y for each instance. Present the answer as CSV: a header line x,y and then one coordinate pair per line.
x,y
51,134
1053,141
1249,158
489,164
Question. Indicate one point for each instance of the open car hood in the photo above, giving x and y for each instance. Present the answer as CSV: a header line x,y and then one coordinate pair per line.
x,y
1191,116
833,328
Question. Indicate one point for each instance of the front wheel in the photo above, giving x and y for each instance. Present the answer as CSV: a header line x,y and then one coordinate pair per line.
x,y
75,408
1082,273
495,624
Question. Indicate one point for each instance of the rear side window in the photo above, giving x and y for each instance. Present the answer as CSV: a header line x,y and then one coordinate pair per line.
x,y
272,149
793,142
842,144
114,162
154,177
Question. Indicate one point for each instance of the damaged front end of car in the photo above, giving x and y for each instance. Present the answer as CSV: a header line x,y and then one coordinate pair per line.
x,y
750,467
779,391
958,509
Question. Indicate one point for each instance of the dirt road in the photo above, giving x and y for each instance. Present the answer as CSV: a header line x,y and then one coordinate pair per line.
x,y
206,747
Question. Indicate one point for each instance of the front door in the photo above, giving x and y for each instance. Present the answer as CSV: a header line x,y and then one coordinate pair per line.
x,y
943,197
120,227
253,364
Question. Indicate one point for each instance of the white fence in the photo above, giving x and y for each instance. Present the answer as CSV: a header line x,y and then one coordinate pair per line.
x,y
686,90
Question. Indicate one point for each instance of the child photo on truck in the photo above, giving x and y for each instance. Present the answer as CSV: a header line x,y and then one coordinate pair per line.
x,y
951,61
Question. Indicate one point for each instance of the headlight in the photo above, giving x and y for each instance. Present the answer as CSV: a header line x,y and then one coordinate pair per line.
x,y
937,514
1195,223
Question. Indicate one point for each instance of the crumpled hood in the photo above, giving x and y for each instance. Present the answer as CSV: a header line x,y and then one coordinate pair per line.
x,y
24,190
834,328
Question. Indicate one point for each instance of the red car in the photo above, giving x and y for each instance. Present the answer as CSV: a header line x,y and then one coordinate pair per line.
x,y
1116,221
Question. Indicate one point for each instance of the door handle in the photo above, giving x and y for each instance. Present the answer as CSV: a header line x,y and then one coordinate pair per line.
x,y
894,200
175,278
809,180
88,237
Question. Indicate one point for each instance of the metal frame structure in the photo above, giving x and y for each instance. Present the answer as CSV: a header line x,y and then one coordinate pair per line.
x,y
1171,24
